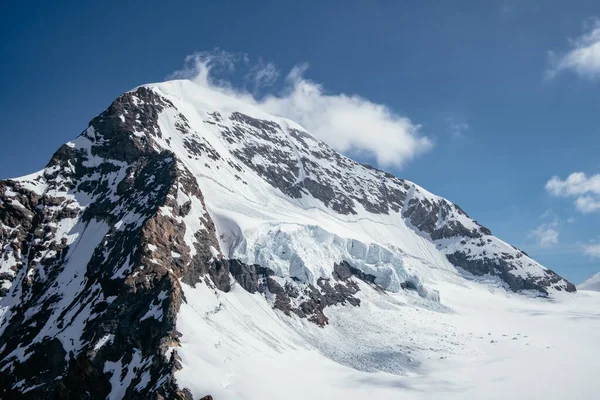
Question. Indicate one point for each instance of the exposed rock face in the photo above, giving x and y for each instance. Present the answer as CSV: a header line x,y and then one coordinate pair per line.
x,y
501,267
425,215
477,251
279,166
304,300
94,249
81,321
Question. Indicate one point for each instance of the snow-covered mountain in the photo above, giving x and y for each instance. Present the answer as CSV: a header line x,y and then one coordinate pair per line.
x,y
593,283
184,230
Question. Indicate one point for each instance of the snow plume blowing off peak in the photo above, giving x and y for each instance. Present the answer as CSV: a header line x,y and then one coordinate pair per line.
x,y
349,123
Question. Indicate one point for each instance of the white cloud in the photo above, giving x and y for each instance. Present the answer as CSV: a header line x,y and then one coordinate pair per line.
x,y
592,250
587,204
547,234
576,184
348,123
262,75
585,189
583,58
207,67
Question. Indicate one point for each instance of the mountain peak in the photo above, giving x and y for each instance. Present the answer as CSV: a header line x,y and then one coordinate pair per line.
x,y
593,283
178,191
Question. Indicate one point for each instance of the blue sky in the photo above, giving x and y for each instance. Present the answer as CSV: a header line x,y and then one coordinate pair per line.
x,y
506,92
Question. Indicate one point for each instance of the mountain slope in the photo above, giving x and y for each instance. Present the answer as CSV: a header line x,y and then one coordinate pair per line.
x,y
592,283
178,199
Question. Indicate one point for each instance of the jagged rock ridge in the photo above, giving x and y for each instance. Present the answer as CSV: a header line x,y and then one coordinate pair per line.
x,y
95,248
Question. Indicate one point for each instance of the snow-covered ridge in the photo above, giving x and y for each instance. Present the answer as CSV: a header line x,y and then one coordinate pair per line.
x,y
593,283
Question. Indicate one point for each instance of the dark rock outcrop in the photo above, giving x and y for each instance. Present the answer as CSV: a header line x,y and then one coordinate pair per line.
x,y
125,296
304,300
501,267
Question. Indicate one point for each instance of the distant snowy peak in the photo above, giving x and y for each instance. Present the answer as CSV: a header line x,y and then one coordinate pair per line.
x,y
592,283
176,187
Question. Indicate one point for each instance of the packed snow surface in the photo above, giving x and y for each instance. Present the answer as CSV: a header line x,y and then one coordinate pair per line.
x,y
480,343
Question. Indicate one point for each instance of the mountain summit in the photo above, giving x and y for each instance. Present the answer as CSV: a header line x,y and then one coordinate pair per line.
x,y
180,209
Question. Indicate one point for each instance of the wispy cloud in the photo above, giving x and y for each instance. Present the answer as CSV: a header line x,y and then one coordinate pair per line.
x,y
346,122
585,190
592,250
457,126
208,67
583,55
547,234
262,75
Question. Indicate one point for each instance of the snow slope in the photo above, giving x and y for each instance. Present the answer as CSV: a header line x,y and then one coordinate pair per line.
x,y
592,283
481,344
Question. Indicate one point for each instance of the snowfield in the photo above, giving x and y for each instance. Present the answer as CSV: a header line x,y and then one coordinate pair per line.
x,y
479,343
